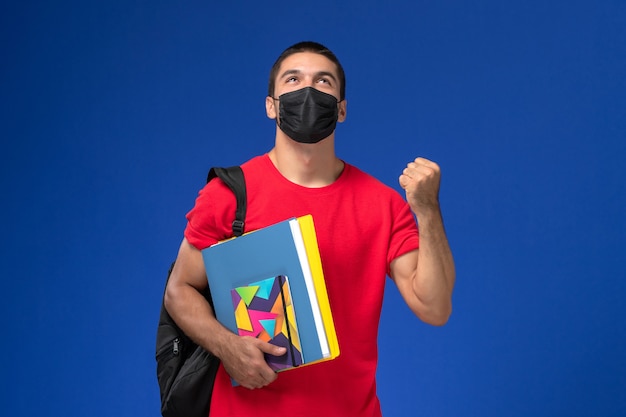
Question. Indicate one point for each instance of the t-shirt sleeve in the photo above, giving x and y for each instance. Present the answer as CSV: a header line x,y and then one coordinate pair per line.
x,y
404,234
207,220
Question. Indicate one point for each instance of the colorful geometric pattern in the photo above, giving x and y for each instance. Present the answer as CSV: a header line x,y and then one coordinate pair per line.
x,y
264,309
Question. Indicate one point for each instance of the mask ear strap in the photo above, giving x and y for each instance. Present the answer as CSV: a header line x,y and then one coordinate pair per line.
x,y
276,108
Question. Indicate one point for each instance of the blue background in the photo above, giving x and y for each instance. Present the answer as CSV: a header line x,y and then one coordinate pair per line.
x,y
113,111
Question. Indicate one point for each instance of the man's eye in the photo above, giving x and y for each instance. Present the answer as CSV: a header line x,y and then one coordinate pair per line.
x,y
323,81
292,79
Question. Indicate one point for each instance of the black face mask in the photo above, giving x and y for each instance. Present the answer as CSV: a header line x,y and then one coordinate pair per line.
x,y
307,115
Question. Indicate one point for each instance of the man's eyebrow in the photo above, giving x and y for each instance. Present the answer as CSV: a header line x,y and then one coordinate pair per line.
x,y
327,74
290,72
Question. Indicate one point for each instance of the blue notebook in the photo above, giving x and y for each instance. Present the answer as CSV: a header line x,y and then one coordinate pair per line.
x,y
255,257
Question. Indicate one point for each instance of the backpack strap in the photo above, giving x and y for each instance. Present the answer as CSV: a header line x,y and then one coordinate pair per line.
x,y
234,179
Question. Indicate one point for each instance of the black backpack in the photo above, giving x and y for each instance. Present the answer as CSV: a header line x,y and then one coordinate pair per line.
x,y
185,371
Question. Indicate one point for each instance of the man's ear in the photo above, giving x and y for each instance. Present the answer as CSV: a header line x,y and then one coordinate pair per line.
x,y
270,107
343,109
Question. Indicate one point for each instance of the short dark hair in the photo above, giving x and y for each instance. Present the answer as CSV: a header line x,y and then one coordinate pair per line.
x,y
308,46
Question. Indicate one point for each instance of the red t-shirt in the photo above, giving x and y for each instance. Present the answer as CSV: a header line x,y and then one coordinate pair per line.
x,y
361,226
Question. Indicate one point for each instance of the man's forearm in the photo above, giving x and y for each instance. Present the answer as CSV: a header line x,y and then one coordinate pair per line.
x,y
435,273
194,316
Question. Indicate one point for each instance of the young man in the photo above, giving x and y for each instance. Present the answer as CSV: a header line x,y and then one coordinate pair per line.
x,y
365,231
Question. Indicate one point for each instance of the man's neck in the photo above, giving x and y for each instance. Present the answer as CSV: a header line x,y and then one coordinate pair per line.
x,y
308,165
